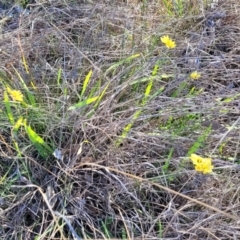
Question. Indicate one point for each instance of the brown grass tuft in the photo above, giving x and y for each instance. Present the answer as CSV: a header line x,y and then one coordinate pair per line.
x,y
144,186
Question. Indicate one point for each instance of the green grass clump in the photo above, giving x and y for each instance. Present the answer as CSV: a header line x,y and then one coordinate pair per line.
x,y
107,128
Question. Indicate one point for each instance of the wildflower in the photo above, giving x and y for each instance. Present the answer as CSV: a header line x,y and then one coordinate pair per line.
x,y
16,95
203,165
195,75
168,42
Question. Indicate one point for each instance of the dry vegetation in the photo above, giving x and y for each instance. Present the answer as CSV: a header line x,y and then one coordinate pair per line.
x,y
123,169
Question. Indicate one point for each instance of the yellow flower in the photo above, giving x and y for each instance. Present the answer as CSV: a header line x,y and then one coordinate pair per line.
x,y
195,75
203,165
196,159
16,95
168,42
204,168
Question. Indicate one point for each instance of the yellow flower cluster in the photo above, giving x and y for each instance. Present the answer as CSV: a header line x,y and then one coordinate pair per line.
x,y
203,165
169,43
16,95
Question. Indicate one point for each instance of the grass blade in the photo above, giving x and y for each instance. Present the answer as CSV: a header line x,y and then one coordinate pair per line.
x,y
59,77
8,108
42,147
85,83
114,66
17,125
138,112
84,103
101,96
201,139
29,94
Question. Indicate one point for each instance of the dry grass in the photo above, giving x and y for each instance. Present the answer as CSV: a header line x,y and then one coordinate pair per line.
x,y
112,183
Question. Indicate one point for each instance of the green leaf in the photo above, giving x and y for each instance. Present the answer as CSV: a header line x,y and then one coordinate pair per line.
x,y
160,90
147,92
155,70
17,124
8,108
201,139
42,147
141,80
83,103
101,96
85,83
128,127
59,77
114,66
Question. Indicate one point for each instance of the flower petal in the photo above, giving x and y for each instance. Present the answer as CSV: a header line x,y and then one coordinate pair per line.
x,y
196,159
